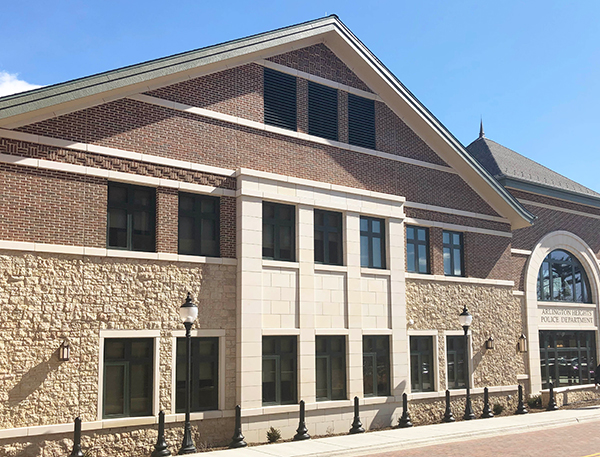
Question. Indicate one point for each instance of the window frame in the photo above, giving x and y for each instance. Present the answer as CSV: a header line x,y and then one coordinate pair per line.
x,y
127,363
375,355
329,354
416,243
327,229
130,208
276,223
198,217
433,362
278,356
370,235
195,373
451,246
466,362
575,264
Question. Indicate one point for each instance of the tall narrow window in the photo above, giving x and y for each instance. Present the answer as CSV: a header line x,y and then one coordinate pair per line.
x,y
205,374
131,217
322,111
376,366
421,363
278,231
372,242
198,225
361,121
331,368
280,99
456,357
279,371
328,237
128,377
417,249
453,253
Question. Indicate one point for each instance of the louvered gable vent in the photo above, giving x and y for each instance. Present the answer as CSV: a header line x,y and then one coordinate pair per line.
x,y
280,99
361,121
322,111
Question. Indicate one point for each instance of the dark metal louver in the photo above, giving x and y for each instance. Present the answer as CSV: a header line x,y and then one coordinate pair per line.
x,y
280,99
361,121
322,111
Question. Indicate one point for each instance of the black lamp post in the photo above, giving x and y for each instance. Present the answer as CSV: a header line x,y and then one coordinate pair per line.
x,y
465,320
188,313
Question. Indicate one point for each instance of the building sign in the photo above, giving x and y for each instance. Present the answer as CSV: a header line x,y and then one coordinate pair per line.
x,y
566,317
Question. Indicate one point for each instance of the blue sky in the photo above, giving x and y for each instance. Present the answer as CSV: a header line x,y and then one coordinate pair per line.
x,y
530,68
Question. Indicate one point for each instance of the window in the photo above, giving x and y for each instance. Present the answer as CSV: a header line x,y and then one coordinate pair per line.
x,y
567,357
376,366
199,225
128,380
372,242
278,231
280,99
453,253
279,370
322,111
455,361
204,373
361,121
131,217
562,278
421,363
328,237
331,368
417,249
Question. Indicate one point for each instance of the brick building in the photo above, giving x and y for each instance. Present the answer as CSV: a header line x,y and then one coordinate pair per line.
x,y
329,227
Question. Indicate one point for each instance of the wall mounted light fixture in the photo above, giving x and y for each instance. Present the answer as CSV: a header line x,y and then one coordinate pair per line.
x,y
522,345
489,344
64,351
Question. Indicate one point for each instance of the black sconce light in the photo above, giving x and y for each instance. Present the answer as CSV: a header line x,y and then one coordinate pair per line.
x,y
522,345
489,344
64,351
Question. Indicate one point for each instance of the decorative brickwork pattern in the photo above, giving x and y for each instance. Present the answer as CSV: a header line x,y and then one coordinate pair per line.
x,y
343,116
302,105
319,60
395,137
237,91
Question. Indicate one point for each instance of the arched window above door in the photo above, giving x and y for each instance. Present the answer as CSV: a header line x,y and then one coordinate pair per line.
x,y
562,278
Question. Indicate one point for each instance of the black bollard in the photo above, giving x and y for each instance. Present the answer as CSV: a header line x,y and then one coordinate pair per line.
x,y
487,412
77,439
552,406
237,440
404,421
448,416
302,431
160,448
356,423
521,406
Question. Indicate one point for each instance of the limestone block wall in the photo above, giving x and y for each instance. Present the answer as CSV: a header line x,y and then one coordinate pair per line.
x,y
435,305
47,298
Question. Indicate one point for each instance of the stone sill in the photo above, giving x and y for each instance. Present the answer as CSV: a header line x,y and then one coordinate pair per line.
x,y
280,264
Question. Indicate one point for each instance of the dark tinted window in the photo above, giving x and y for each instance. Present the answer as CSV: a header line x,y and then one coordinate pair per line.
x,y
279,231
204,371
322,111
131,217
279,371
328,237
199,225
280,99
361,121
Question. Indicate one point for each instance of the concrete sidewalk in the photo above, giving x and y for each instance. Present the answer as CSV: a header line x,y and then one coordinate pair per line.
x,y
397,439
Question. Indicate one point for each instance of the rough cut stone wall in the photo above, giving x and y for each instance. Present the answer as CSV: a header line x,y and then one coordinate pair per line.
x,y
46,298
436,306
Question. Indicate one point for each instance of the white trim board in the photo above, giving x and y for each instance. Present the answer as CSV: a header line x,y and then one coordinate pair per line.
x,y
120,176
562,210
113,152
456,227
457,212
289,133
99,252
460,279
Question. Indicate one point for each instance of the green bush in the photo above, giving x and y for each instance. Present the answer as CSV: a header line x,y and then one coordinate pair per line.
x,y
534,402
498,408
273,434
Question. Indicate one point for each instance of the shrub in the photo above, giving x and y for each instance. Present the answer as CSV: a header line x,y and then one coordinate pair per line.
x,y
273,434
498,408
535,401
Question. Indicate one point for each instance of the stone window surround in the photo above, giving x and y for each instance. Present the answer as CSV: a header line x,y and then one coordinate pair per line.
x,y
109,334
436,364
196,333
568,241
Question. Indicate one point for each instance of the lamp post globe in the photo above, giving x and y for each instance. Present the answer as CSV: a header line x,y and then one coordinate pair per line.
x,y
188,312
465,319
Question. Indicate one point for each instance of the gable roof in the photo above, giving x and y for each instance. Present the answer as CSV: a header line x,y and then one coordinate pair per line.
x,y
51,101
515,170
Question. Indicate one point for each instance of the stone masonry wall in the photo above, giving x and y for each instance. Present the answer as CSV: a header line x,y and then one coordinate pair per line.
x,y
48,298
